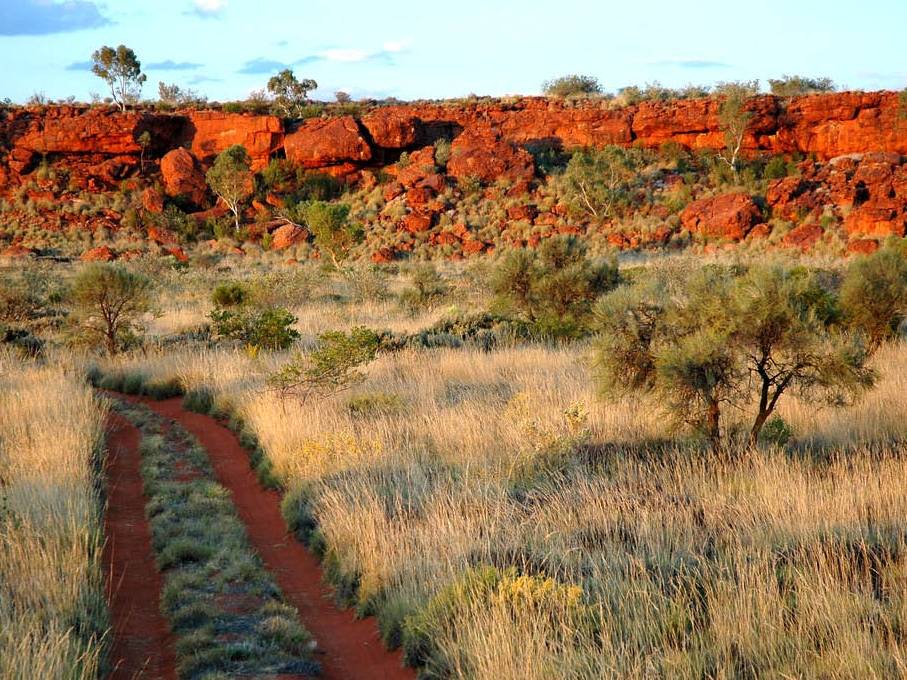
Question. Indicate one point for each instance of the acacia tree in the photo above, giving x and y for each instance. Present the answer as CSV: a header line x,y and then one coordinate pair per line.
x,y
108,303
566,86
290,93
231,178
122,71
332,367
733,117
794,86
721,339
554,287
874,294
334,234
788,337
597,181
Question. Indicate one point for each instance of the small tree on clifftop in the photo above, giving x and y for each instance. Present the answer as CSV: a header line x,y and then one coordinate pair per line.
x,y
122,71
288,92
572,85
231,178
734,118
795,86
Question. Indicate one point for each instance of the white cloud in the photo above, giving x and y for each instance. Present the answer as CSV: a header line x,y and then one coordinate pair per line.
x,y
397,45
210,6
353,55
347,55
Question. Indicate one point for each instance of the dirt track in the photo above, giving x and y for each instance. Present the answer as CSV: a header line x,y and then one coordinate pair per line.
x,y
141,646
348,648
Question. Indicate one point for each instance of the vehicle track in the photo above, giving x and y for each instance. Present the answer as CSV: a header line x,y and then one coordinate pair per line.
x,y
141,646
348,648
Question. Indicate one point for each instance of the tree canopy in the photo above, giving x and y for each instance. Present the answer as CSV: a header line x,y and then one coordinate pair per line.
x,y
290,93
572,85
122,71
108,303
231,178
721,337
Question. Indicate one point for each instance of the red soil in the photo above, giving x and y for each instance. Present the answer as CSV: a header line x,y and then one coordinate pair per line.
x,y
349,648
141,645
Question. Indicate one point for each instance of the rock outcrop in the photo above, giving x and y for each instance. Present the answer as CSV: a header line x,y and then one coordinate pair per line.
x,y
729,216
326,142
183,177
210,132
485,156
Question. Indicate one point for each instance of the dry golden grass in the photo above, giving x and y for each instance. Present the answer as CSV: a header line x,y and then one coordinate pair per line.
x,y
52,609
781,564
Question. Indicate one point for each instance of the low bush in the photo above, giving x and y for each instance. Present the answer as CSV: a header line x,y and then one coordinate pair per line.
x,y
269,328
503,596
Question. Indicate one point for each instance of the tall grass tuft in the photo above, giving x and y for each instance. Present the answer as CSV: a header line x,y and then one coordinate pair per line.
x,y
53,617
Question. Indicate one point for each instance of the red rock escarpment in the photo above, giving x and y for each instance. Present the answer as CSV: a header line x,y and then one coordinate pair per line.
x,y
828,126
863,135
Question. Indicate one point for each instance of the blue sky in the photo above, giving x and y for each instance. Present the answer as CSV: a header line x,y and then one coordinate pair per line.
x,y
409,49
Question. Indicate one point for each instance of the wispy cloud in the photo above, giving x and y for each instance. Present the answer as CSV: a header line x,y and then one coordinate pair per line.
x,y
79,66
207,9
261,65
692,63
353,55
170,65
43,17
197,80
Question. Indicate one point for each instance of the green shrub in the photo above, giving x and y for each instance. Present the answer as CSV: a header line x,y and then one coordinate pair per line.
x,y
484,330
572,85
233,294
428,289
316,186
442,152
776,168
487,586
133,383
268,328
776,432
554,287
794,86
163,389
874,293
330,368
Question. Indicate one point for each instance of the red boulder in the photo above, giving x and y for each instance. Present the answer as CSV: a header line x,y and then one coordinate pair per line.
x,y
322,142
183,177
99,254
484,156
729,216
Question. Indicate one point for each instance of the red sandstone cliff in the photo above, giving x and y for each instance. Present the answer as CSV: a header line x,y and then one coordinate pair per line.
x,y
827,126
100,148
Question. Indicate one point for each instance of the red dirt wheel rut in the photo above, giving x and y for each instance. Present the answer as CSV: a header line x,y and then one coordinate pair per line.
x,y
350,648
142,646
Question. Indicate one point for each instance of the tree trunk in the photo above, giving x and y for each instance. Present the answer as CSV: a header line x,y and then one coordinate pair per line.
x,y
713,427
111,341
757,427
